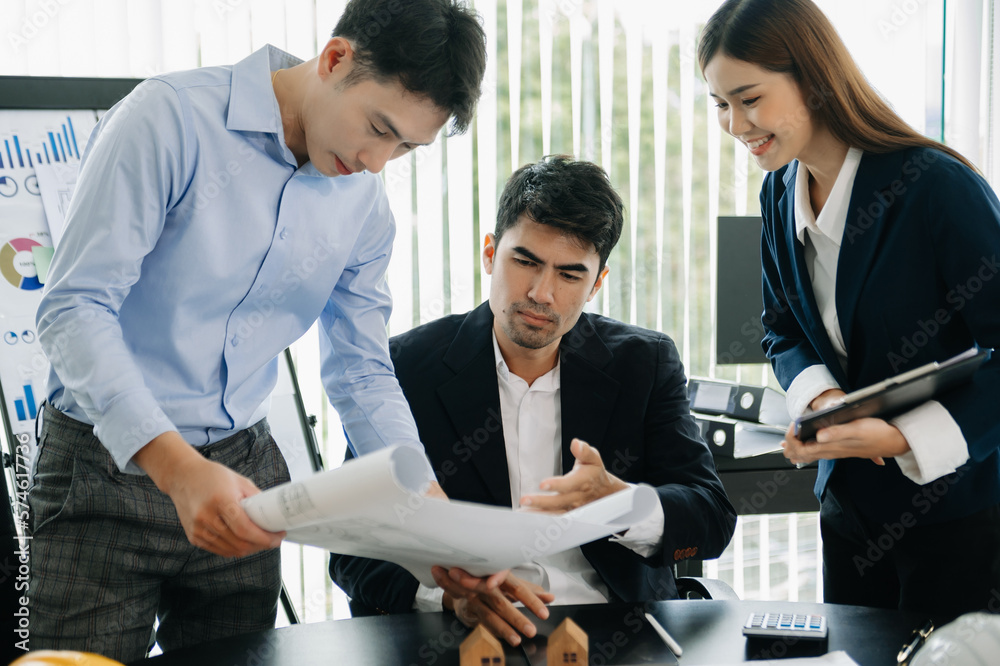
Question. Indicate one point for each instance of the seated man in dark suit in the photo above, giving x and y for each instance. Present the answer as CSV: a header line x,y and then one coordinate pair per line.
x,y
527,402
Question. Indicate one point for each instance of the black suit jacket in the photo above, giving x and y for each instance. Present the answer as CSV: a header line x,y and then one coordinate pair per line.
x,y
916,282
623,390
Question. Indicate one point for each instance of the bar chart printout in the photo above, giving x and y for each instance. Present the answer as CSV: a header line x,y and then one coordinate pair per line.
x,y
29,140
59,144
25,406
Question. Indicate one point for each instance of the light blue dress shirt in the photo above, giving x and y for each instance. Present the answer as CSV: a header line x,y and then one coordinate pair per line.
x,y
195,251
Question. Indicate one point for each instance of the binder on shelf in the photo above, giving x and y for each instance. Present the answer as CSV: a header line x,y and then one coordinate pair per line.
x,y
739,439
744,402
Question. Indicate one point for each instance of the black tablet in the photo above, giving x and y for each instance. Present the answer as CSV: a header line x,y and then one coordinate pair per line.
x,y
896,394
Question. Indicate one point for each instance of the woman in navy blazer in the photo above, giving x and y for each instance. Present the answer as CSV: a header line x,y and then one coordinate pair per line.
x,y
880,253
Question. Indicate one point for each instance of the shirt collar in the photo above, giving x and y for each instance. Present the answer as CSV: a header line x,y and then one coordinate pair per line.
x,y
547,382
252,104
833,218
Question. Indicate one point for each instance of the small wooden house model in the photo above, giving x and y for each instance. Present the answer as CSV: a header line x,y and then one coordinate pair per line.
x,y
480,648
568,644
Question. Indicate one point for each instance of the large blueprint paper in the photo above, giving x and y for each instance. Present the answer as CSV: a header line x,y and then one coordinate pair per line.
x,y
373,507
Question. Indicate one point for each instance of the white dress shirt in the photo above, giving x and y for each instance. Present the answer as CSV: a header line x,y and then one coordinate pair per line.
x,y
532,428
937,446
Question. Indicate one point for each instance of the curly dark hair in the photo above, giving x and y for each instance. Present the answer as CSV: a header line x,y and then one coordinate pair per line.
x,y
572,195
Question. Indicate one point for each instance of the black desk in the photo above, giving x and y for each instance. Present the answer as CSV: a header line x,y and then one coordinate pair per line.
x,y
709,632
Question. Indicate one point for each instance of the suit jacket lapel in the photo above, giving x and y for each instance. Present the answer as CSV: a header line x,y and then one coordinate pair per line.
x,y
474,385
587,393
864,227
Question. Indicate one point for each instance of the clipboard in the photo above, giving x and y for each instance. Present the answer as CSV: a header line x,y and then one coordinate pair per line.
x,y
895,395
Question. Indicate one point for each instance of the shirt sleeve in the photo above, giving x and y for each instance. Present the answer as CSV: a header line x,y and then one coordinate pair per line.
x,y
132,172
428,599
356,369
644,538
806,387
937,446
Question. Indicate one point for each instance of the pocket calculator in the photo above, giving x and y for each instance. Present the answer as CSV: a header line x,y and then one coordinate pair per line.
x,y
785,625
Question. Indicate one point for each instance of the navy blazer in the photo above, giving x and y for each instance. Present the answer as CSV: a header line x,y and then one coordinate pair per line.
x,y
916,282
623,390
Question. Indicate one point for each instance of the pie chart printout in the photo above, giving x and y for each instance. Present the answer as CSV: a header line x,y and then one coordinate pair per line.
x,y
17,264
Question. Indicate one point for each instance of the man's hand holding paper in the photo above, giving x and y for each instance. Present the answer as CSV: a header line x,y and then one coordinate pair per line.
x,y
490,601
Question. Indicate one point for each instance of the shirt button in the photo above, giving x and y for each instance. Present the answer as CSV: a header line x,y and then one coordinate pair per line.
x,y
284,233
235,341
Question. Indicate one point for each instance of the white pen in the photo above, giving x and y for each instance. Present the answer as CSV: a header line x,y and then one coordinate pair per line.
x,y
667,638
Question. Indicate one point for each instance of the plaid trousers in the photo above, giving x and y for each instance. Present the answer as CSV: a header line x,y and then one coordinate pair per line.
x,y
109,555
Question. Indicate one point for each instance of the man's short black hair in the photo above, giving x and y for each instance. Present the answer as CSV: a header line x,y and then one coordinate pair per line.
x,y
572,195
435,48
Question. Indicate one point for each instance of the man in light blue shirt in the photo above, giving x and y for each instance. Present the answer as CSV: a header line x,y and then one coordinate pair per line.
x,y
219,213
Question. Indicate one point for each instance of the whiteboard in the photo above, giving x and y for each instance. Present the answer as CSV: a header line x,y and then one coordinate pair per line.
x,y
27,138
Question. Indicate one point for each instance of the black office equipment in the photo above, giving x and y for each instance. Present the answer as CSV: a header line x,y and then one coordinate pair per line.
x,y
739,295
732,438
746,402
895,395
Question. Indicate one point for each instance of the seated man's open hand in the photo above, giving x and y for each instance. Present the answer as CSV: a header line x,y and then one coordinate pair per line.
x,y
435,490
586,482
490,601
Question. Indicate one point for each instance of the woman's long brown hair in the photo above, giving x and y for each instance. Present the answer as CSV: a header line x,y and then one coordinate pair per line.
x,y
796,38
